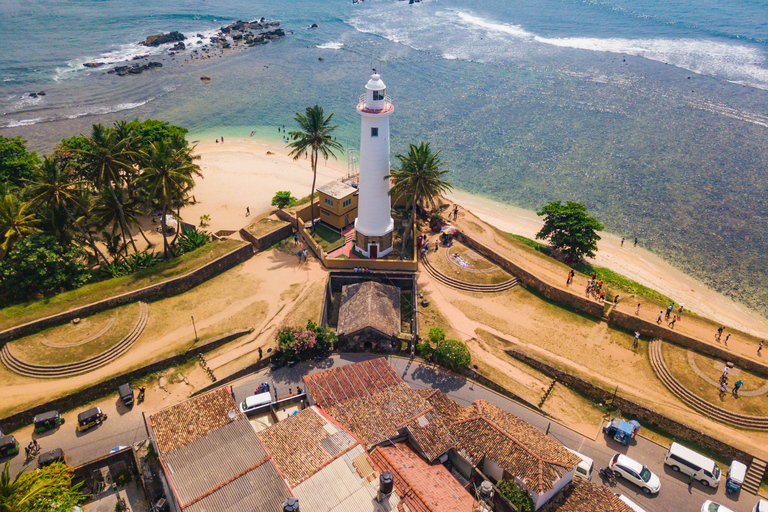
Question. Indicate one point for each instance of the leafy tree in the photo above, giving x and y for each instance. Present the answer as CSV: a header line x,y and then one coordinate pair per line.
x,y
516,495
419,180
105,213
454,354
313,138
152,130
325,338
436,335
16,220
38,264
47,489
570,229
16,163
283,199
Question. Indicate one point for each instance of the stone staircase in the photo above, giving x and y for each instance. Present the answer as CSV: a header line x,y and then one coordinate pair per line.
x,y
754,476
467,287
696,403
63,370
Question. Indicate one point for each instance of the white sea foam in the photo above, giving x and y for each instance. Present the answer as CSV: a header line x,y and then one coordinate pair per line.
x,y
106,109
14,123
331,46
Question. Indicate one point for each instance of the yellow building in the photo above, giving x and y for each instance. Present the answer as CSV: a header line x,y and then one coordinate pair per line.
x,y
338,203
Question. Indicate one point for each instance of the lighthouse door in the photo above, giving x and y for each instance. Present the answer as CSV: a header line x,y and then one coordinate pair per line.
x,y
373,251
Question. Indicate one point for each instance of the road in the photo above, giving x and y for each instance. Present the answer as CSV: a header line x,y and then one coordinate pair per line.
x,y
124,427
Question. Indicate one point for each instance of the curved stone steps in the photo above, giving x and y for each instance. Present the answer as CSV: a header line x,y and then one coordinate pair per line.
x,y
52,371
697,403
468,287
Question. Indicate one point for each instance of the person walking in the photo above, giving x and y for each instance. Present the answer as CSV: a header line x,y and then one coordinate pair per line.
x,y
635,241
247,211
305,254
723,388
760,347
671,324
661,314
26,451
616,300
296,239
680,312
727,338
637,312
637,338
725,371
437,244
719,333
37,446
736,387
622,241
259,352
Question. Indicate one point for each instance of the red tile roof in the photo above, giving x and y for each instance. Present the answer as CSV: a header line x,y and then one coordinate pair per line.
x,y
581,496
422,487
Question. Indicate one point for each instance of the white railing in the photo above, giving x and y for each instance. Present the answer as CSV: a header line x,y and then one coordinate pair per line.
x,y
361,101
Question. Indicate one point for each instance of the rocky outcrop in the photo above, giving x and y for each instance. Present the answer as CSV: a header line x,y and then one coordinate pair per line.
x,y
135,69
158,39
178,47
93,64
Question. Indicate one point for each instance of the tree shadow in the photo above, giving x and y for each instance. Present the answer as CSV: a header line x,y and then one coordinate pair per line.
x,y
438,379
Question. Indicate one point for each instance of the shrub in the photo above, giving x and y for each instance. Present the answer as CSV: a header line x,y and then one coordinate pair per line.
x,y
425,350
517,496
191,239
283,199
436,335
123,478
454,354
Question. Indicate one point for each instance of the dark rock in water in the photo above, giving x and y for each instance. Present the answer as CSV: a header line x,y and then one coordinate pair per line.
x,y
314,25
41,93
158,39
140,56
205,78
200,35
319,58
33,95
225,45
135,69
93,64
178,47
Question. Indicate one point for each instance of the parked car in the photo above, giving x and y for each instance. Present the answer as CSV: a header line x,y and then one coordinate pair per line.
x,y
90,418
126,394
633,471
50,457
255,402
584,468
761,506
711,506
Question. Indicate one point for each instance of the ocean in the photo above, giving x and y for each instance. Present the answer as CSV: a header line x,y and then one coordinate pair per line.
x,y
653,113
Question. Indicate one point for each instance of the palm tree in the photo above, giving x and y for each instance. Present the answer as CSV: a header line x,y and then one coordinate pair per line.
x,y
167,177
314,137
16,220
419,180
108,160
53,188
106,212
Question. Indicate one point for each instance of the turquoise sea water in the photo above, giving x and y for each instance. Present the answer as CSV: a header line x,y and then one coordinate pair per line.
x,y
651,112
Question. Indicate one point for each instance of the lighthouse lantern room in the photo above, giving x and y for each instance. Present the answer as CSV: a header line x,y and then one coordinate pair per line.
x,y
374,226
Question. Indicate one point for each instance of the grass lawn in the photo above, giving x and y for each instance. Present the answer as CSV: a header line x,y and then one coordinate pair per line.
x,y
22,313
327,237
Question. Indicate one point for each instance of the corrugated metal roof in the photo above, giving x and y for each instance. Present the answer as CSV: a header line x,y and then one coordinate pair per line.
x,y
259,490
211,460
339,487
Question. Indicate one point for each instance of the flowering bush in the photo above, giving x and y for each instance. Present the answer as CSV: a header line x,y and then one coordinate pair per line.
x,y
292,341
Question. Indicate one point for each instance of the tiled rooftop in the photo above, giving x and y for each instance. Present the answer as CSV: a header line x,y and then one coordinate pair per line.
x,y
446,407
581,496
183,423
422,487
513,444
371,400
304,443
369,304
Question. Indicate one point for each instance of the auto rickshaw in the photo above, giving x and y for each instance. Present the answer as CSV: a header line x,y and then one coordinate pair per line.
x,y
90,418
47,421
736,474
9,446
619,430
48,458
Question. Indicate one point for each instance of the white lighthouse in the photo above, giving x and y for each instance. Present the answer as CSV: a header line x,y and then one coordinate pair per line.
x,y
374,225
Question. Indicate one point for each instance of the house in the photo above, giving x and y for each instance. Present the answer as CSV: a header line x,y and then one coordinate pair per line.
x,y
338,203
212,458
371,401
504,446
369,316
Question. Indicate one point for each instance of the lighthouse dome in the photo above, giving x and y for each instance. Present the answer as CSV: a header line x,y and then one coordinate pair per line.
x,y
375,83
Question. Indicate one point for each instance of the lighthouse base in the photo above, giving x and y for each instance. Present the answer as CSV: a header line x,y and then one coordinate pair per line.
x,y
374,246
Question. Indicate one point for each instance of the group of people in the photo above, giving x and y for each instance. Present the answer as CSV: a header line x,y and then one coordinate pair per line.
x,y
724,383
595,288
32,449
423,246
719,336
622,241
669,313
222,140
302,254
263,388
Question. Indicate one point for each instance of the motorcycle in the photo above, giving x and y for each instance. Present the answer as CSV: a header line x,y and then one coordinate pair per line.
x,y
608,474
140,398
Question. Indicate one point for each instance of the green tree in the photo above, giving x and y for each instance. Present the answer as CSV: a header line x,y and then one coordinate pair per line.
x,y
283,199
568,228
419,180
516,495
313,138
56,190
453,354
38,264
105,212
152,130
108,160
167,178
16,163
16,220
436,335
47,489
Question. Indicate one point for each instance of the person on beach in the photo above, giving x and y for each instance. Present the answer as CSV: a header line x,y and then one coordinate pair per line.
x,y
661,314
622,241
637,312
635,241
251,134
760,347
247,211
217,141
222,140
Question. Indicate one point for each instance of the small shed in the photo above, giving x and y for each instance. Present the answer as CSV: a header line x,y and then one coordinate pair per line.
x,y
369,316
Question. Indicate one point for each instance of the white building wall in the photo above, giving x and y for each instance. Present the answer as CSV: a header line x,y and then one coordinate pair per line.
x,y
374,205
540,499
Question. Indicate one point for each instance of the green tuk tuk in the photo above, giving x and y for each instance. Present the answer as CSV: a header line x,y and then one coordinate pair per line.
x,y
48,458
90,418
9,446
47,421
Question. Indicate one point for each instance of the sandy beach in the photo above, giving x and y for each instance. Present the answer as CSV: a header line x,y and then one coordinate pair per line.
x,y
240,173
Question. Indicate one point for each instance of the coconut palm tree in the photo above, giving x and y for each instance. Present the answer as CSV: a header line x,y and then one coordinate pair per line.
x,y
419,180
105,213
167,177
16,220
55,189
313,137
108,160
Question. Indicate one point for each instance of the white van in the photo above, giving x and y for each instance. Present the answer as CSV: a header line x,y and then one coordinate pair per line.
x,y
584,469
631,504
255,401
762,506
688,462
